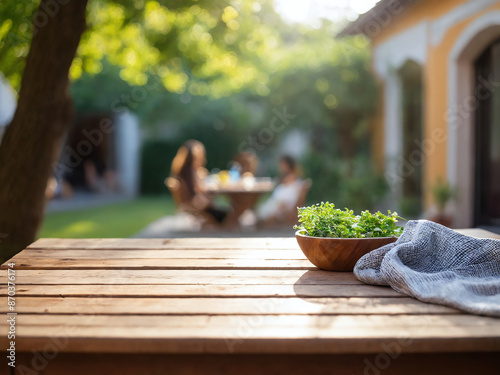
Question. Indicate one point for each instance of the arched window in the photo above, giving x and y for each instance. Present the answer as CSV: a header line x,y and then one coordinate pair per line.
x,y
410,75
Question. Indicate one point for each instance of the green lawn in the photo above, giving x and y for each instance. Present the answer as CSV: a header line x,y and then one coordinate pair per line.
x,y
116,220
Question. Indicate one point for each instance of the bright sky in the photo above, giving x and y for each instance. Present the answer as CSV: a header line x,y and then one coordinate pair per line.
x,y
309,11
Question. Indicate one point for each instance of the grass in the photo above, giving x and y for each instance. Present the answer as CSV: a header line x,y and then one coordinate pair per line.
x,y
117,220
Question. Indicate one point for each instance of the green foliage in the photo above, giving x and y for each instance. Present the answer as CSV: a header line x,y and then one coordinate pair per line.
x,y
16,30
443,192
324,220
221,125
332,95
98,92
328,87
350,183
200,47
156,158
411,207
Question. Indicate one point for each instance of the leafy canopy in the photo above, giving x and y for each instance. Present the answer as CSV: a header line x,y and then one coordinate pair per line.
x,y
200,47
324,220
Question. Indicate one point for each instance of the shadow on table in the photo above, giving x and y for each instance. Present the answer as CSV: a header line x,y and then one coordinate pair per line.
x,y
318,286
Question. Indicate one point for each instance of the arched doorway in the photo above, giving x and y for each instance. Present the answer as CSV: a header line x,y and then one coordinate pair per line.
x,y
410,76
487,129
463,104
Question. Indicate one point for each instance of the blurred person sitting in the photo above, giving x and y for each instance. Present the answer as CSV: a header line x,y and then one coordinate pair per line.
x,y
186,182
90,175
285,196
248,163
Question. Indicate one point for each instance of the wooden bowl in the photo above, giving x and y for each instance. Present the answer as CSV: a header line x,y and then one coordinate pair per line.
x,y
338,254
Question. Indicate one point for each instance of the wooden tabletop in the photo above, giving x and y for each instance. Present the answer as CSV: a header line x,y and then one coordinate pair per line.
x,y
259,186
219,296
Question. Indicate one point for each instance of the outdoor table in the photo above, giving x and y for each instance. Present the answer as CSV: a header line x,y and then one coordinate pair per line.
x,y
242,196
225,306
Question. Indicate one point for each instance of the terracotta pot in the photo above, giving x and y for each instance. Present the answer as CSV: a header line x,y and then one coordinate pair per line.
x,y
338,254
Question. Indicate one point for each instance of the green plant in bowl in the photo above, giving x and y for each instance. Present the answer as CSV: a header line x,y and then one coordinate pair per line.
x,y
334,239
324,220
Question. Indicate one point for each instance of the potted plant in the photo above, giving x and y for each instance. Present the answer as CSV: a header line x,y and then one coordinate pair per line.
x,y
442,193
334,240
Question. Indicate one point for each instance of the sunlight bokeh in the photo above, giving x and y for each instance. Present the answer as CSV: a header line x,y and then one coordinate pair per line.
x,y
309,11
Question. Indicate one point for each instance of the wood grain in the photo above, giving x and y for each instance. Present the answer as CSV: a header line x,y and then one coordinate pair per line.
x,y
225,306
162,264
352,324
188,291
188,277
170,243
100,254
193,243
244,334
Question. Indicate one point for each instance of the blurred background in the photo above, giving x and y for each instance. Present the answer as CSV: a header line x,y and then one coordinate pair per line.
x,y
219,73
269,77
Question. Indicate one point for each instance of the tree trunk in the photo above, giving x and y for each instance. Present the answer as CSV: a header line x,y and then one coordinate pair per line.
x,y
32,141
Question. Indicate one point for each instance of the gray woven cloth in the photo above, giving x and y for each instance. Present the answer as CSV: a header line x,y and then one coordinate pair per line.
x,y
436,264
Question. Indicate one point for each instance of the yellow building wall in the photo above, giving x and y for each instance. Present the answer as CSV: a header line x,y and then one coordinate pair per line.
x,y
435,84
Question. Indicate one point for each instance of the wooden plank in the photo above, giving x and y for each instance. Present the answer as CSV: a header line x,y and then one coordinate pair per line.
x,y
464,324
265,340
194,243
479,233
189,277
169,243
249,334
162,253
262,364
225,306
267,332
189,291
160,263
